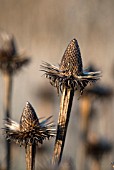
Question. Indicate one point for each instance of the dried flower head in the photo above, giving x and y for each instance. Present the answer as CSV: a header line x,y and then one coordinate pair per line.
x,y
70,72
10,59
30,130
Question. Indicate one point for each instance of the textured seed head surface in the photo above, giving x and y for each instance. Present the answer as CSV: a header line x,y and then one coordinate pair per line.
x,y
28,118
71,61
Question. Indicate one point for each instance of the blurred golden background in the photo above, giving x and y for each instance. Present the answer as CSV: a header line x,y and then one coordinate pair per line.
x,y
43,30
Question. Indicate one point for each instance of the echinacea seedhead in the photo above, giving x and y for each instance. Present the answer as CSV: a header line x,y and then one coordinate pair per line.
x,y
30,130
10,60
70,73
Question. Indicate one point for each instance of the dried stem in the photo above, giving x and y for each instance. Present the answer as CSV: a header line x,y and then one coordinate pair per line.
x,y
64,115
30,156
7,111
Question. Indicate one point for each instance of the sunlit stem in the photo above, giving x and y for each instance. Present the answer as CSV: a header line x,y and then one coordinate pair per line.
x,y
64,115
30,156
85,111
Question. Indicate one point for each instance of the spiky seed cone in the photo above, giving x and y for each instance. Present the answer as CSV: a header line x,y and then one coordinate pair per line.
x,y
71,61
28,118
70,72
29,130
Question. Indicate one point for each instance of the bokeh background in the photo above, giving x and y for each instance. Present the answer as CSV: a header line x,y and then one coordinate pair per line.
x,y
43,30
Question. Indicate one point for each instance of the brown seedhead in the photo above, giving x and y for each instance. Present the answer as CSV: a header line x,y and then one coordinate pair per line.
x,y
30,130
70,72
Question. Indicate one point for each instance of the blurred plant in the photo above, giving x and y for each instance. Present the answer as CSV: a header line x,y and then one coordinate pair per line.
x,y
29,132
67,78
86,147
112,164
90,145
99,91
97,148
10,62
67,164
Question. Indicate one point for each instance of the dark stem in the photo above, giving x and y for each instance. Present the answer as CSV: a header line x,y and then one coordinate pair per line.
x,y
7,112
30,156
64,115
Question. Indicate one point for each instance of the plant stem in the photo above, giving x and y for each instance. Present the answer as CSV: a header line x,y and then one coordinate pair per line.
x,y
85,110
8,94
64,115
7,110
85,116
96,165
30,156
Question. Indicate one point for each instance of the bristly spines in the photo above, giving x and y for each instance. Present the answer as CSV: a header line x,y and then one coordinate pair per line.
x,y
70,73
28,117
30,130
71,61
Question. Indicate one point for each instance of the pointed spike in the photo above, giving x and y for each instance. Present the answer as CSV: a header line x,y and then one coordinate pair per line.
x,y
28,117
71,60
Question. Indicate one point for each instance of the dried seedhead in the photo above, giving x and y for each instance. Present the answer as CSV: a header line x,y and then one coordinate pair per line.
x,y
30,130
70,72
10,60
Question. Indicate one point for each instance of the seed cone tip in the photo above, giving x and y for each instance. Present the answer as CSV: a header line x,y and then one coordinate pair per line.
x,y
28,116
28,104
71,61
74,40
29,108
